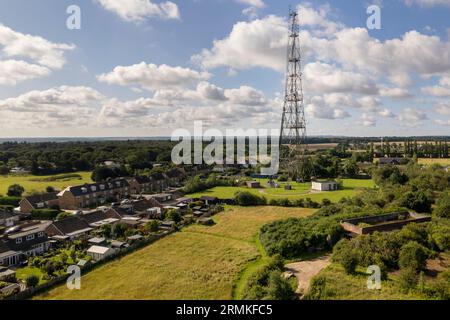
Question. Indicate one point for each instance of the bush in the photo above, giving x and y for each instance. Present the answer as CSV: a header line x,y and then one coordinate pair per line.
x,y
408,279
319,289
442,208
10,201
45,214
152,226
32,281
245,198
412,255
15,190
344,254
279,288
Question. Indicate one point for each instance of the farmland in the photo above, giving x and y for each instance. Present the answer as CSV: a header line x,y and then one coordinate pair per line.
x,y
299,190
40,183
428,161
197,263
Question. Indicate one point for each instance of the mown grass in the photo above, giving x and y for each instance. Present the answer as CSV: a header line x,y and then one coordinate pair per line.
x,y
351,187
24,273
40,183
197,263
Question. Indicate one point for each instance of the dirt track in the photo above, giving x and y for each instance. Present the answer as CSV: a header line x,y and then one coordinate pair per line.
x,y
305,270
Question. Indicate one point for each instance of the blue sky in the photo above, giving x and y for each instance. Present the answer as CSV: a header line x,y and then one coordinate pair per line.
x,y
145,68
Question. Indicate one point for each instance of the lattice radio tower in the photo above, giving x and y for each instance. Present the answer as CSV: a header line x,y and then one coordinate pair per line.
x,y
293,123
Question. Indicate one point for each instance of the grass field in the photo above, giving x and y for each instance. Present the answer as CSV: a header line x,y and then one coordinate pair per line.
x,y
427,161
39,183
197,263
340,286
300,190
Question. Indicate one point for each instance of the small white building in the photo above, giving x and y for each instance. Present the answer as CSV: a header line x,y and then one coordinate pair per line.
x,y
98,253
324,185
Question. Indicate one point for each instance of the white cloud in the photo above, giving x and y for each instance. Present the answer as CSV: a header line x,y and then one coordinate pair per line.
x,y
427,3
412,117
44,52
441,90
153,77
253,3
386,113
258,43
60,106
15,71
395,93
442,122
322,77
368,120
317,107
139,10
442,108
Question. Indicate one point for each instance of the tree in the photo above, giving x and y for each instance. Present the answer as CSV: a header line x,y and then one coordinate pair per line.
x,y
442,208
245,198
408,279
32,281
344,254
412,255
63,215
15,190
50,189
118,230
152,226
279,288
173,215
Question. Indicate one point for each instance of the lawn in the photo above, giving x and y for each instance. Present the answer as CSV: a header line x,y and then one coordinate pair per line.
x,y
24,273
300,190
427,161
40,183
197,263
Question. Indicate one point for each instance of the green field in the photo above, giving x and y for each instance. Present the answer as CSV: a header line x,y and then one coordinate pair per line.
x,y
300,190
427,161
39,183
198,263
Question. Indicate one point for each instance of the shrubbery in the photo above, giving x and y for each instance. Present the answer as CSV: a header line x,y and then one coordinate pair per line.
x,y
245,198
268,283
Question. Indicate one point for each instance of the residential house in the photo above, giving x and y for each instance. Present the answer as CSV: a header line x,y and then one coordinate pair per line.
x,y
175,176
40,201
159,182
98,218
20,242
8,218
141,184
68,229
391,161
94,194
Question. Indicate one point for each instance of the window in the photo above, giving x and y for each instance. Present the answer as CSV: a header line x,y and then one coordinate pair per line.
x,y
30,237
40,234
94,188
102,187
18,240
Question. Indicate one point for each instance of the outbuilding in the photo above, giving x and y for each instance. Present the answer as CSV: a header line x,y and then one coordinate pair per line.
x,y
98,253
325,185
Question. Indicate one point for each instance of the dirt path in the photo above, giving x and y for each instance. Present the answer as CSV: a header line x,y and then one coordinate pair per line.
x,y
305,270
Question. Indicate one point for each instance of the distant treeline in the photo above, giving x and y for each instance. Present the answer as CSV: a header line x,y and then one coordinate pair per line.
x,y
62,157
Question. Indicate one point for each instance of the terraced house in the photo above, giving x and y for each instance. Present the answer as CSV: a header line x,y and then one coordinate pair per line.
x,y
40,201
95,194
24,241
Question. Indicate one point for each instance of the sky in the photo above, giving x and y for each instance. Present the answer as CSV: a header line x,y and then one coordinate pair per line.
x,y
149,67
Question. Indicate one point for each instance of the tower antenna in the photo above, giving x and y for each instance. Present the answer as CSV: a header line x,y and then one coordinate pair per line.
x,y
293,124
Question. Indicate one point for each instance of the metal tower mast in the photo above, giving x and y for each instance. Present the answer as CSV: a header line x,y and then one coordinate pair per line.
x,y
293,123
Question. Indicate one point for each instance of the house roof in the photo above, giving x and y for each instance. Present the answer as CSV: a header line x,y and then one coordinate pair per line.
x,y
96,187
72,226
142,179
100,215
158,176
40,198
